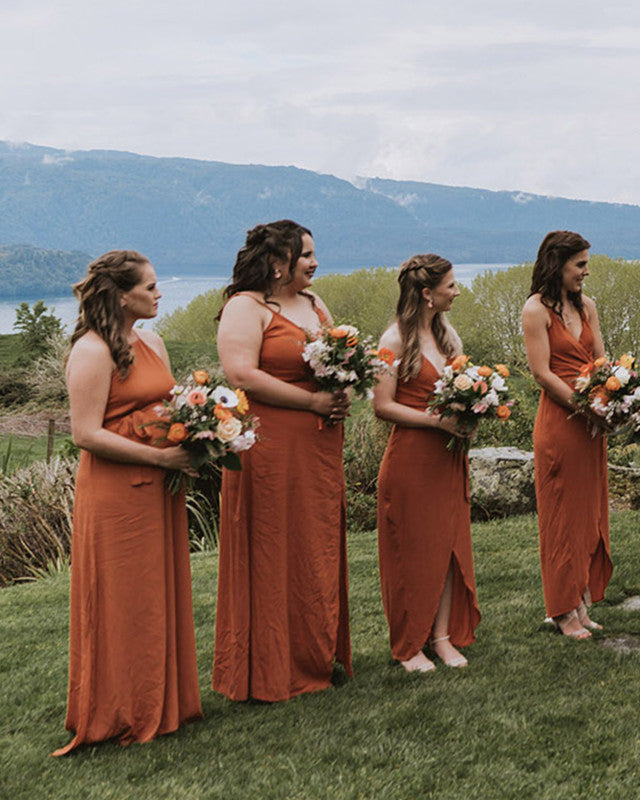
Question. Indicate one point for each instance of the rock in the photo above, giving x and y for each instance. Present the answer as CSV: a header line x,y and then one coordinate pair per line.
x,y
624,487
501,482
631,603
621,643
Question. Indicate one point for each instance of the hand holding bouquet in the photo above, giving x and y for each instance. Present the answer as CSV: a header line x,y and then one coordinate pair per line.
x,y
210,421
340,360
609,393
471,393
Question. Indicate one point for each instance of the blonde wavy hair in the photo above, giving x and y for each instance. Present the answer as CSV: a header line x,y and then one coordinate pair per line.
x,y
418,273
99,295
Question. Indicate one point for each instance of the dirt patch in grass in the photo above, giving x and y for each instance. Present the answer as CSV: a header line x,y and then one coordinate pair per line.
x,y
34,424
621,643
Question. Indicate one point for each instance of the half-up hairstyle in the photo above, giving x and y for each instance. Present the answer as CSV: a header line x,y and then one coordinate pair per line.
x,y
99,294
418,273
556,249
266,244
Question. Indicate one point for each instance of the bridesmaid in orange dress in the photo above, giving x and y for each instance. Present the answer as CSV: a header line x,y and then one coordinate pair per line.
x,y
561,335
132,671
424,528
282,615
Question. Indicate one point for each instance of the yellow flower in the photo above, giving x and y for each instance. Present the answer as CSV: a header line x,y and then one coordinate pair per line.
x,y
626,361
201,377
243,403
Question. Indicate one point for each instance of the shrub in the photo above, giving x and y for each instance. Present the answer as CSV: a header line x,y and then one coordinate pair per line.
x,y
194,323
37,328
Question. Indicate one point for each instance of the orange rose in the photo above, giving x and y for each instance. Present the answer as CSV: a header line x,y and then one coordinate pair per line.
x,y
243,403
352,341
458,362
586,368
338,333
221,412
502,370
600,393
201,377
177,433
612,384
599,362
386,355
503,412
484,371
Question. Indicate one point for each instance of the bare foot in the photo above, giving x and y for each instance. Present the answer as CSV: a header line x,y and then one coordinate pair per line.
x,y
447,653
585,621
569,624
418,663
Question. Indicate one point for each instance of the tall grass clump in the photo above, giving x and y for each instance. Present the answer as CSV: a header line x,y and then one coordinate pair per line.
x,y
36,507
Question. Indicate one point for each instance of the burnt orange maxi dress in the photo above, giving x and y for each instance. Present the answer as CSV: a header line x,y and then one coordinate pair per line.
x,y
132,670
423,527
571,485
282,614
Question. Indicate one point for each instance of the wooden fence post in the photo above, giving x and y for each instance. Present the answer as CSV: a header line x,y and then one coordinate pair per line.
x,y
50,438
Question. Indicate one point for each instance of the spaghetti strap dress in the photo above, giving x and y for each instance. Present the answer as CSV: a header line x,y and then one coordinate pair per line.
x,y
571,485
132,671
423,527
282,607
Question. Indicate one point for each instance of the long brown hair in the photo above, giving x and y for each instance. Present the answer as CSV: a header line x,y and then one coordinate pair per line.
x,y
556,249
265,244
418,273
99,295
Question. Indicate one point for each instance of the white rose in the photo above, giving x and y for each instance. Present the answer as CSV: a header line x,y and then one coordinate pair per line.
x,y
228,429
498,383
243,442
622,374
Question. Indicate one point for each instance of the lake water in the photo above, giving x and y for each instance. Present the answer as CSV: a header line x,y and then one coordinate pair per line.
x,y
177,292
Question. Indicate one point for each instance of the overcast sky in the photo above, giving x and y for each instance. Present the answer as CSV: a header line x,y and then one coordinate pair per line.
x,y
537,95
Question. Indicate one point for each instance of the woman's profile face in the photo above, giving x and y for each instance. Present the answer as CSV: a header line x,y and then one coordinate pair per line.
x,y
303,270
575,270
443,295
141,302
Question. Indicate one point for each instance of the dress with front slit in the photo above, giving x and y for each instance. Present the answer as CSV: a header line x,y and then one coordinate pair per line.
x,y
423,527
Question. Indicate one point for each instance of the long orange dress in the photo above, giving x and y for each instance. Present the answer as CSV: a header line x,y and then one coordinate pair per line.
x,y
423,527
282,610
571,485
132,670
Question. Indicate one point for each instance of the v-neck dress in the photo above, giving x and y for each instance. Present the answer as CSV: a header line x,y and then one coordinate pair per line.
x,y
571,485
423,527
132,654
282,610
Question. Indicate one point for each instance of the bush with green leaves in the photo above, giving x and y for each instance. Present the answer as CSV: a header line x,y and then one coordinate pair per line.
x,y
37,327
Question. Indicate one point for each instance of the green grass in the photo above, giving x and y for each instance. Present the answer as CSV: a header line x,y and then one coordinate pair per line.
x,y
10,348
533,716
20,451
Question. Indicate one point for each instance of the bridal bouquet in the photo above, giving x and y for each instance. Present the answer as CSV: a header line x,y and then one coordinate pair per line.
x,y
341,360
610,391
471,393
210,421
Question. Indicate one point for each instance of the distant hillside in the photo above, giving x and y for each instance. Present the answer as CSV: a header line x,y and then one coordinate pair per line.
x,y
27,271
191,216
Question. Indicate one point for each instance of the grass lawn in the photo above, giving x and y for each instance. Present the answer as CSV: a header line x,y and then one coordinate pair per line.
x,y
534,715
21,451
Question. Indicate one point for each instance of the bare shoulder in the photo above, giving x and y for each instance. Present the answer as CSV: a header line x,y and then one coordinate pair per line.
x,y
151,338
246,303
392,338
589,305
92,346
318,301
534,310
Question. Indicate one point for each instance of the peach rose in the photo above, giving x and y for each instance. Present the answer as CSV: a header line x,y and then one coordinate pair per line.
x,y
626,361
612,384
503,412
196,398
458,362
481,386
462,382
229,429
222,413
177,433
201,377
484,371
502,370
